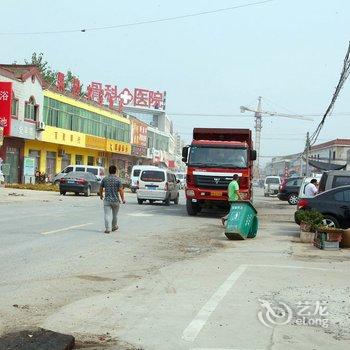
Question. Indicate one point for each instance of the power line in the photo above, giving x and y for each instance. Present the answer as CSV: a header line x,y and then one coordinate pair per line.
x,y
345,114
343,76
133,24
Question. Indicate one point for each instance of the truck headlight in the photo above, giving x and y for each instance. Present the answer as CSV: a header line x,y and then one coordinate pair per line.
x,y
190,193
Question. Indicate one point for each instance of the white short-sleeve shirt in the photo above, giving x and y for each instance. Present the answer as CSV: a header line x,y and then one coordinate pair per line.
x,y
310,190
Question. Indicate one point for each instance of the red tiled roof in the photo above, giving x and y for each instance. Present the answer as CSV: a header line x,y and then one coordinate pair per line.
x,y
336,142
20,72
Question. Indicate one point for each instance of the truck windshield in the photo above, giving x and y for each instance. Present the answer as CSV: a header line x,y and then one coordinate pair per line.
x,y
220,157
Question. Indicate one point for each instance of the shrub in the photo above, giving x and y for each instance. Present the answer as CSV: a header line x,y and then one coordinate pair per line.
x,y
311,218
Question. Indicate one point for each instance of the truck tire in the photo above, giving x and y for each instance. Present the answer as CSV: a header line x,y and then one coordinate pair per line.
x,y
192,208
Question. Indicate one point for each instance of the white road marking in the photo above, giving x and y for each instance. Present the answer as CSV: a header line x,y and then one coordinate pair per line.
x,y
291,267
140,214
66,228
224,349
193,329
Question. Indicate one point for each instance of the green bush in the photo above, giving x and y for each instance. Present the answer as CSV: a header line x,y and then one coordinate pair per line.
x,y
312,218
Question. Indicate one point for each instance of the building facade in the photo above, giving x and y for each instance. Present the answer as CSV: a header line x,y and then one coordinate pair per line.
x,y
25,120
335,151
77,132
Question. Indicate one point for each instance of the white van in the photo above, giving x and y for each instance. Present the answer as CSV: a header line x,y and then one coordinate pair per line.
x,y
158,185
271,185
135,174
98,171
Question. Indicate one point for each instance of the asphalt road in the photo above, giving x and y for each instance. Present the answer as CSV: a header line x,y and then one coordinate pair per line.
x,y
165,280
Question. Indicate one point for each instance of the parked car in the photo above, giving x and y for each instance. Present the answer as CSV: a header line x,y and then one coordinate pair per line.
x,y
334,178
98,171
135,175
333,204
271,185
289,190
158,185
306,181
79,182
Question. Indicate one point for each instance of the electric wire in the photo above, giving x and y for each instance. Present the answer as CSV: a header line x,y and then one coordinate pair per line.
x,y
133,24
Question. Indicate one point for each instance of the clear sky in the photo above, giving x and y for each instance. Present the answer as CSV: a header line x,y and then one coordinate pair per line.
x,y
288,51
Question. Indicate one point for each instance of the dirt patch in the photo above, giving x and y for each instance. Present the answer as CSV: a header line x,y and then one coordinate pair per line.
x,y
101,342
94,278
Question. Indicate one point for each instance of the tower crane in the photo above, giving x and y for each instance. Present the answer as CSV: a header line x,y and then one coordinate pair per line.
x,y
258,125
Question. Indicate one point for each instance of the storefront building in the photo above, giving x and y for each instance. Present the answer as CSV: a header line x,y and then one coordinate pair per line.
x,y
23,122
78,132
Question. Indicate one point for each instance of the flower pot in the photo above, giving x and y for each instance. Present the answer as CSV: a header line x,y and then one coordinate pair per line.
x,y
306,237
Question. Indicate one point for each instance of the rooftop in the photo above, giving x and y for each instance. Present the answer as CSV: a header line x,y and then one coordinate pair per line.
x,y
336,142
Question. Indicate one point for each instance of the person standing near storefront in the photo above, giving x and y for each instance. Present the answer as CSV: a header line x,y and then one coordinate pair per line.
x,y
233,194
114,194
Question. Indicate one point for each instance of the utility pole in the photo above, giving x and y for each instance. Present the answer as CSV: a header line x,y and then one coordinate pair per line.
x,y
307,153
258,127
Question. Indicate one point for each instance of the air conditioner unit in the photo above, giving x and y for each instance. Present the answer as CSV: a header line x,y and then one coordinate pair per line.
x,y
40,126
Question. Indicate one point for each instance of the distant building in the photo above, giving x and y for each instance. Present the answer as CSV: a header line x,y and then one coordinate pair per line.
x,y
335,151
332,152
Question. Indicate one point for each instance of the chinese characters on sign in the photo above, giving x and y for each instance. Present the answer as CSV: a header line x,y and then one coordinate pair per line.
x,y
112,95
61,84
5,107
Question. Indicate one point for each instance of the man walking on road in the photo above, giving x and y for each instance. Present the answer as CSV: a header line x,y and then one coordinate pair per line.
x,y
233,194
311,189
111,201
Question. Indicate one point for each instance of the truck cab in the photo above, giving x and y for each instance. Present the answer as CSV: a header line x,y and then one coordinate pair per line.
x,y
212,159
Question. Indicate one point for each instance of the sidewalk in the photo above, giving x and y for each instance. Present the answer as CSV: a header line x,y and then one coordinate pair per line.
x,y
9,195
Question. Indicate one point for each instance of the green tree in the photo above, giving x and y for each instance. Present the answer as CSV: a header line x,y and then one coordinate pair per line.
x,y
50,75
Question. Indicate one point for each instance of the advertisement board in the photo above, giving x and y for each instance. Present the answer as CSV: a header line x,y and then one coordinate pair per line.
x,y
5,107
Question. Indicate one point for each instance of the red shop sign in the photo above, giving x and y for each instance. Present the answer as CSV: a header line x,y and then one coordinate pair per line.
x,y
5,106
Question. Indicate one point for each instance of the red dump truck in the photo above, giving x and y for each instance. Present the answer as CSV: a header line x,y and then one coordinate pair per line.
x,y
212,159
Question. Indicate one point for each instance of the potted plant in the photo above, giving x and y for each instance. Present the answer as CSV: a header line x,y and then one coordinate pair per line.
x,y
310,222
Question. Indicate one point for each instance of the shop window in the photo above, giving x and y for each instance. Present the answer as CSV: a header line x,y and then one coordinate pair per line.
x,y
31,110
78,159
14,106
50,165
91,160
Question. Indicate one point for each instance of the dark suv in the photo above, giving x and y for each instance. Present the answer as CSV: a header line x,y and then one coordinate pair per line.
x,y
289,190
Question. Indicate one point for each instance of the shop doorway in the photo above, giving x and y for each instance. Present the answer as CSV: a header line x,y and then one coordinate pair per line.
x,y
36,155
12,160
50,165
65,161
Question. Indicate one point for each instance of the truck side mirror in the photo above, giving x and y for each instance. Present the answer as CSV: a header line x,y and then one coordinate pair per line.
x,y
253,154
185,154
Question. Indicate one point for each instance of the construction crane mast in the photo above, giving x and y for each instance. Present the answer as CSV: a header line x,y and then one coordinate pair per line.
x,y
258,112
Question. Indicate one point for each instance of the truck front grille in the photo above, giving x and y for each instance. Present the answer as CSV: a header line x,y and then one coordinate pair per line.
x,y
219,182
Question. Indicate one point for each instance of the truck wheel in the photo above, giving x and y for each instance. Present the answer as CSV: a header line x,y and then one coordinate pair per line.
x,y
140,201
293,199
63,193
191,208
